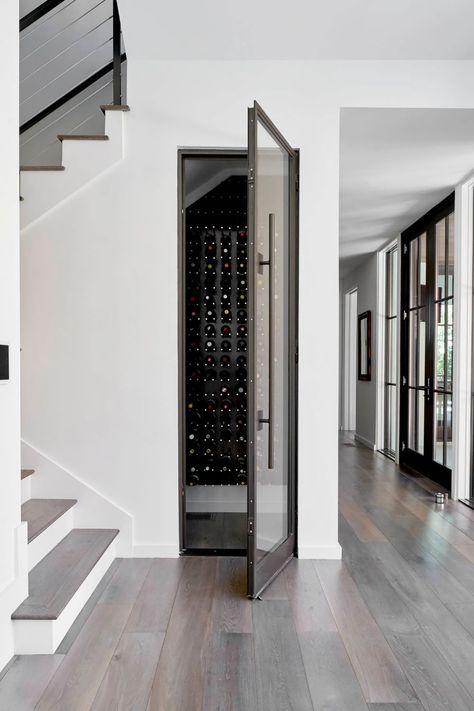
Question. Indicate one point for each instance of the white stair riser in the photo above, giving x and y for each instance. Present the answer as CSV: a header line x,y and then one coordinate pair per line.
x,y
46,541
44,636
25,489
83,161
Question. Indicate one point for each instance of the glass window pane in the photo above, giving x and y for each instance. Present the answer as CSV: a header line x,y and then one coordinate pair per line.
x,y
413,300
449,345
417,338
440,291
450,260
438,437
449,431
422,270
394,283
416,420
439,360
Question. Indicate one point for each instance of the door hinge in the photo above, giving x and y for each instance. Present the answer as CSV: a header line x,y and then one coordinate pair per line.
x,y
403,446
250,527
405,315
405,248
296,355
404,380
297,182
251,178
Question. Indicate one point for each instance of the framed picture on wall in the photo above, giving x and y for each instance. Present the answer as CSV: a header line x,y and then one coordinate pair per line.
x,y
363,346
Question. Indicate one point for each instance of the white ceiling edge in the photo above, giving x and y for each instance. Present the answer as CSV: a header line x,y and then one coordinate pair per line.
x,y
305,29
395,165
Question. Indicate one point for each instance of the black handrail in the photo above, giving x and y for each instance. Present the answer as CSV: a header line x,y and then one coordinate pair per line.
x,y
115,65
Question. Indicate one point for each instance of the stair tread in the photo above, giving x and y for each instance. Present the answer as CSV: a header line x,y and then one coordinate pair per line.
x,y
41,167
41,513
80,137
114,107
26,472
54,581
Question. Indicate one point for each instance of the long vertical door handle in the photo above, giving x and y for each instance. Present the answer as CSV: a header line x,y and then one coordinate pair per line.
x,y
269,263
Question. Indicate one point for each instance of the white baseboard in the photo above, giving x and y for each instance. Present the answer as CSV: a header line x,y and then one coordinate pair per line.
x,y
366,442
45,636
152,550
93,509
332,552
46,541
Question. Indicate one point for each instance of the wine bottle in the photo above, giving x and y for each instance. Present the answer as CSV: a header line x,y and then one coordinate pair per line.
x,y
210,361
226,346
210,331
210,346
226,316
211,315
241,345
242,330
210,375
225,361
226,331
224,376
241,361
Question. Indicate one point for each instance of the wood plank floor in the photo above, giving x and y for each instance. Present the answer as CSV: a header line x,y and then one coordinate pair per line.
x,y
388,628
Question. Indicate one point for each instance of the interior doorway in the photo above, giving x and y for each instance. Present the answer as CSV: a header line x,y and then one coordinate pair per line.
x,y
238,286
350,360
426,412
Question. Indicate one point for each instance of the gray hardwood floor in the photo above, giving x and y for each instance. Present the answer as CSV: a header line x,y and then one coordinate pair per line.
x,y
388,628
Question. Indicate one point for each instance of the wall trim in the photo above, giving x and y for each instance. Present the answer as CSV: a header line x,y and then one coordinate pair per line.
x,y
365,442
328,552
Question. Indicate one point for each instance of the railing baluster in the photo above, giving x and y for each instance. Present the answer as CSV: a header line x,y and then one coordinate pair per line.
x,y
117,72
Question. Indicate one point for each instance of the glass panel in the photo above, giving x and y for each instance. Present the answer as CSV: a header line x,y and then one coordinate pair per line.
x,y
449,431
440,291
422,270
417,338
416,420
413,300
271,313
449,345
438,437
390,418
394,283
440,355
391,350
450,260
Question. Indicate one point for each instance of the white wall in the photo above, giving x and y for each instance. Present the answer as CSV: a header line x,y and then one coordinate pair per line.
x,y
12,539
364,278
99,295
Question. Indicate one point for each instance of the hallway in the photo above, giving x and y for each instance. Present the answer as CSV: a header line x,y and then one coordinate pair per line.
x,y
390,628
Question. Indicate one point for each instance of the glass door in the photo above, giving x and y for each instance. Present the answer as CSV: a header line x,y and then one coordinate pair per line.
x,y
272,208
427,344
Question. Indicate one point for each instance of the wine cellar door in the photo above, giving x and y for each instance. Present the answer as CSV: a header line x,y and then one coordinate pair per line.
x,y
238,325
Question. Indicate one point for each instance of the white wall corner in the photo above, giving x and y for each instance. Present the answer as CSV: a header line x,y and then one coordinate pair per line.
x,y
462,339
93,509
13,594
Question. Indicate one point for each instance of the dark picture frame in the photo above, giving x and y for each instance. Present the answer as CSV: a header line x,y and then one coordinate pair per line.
x,y
364,337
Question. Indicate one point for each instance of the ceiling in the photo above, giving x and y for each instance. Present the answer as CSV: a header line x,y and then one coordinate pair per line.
x,y
395,165
303,29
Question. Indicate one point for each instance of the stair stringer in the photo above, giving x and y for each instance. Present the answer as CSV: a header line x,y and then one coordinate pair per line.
x,y
93,509
83,161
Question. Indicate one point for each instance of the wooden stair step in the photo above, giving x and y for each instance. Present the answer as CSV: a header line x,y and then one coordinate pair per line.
x,y
41,513
24,168
79,137
54,581
114,107
26,472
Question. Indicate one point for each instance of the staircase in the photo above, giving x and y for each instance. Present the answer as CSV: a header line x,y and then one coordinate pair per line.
x,y
64,41
65,566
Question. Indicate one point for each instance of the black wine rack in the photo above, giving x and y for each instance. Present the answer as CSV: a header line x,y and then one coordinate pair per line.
x,y
216,336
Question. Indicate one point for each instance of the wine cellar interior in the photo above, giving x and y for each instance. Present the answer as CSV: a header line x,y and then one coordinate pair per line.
x,y
215,300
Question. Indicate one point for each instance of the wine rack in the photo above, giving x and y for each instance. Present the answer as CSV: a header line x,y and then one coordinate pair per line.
x,y
216,291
